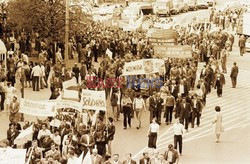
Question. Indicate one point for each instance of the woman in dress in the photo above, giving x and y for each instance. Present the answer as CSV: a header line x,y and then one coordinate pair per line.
x,y
153,132
217,122
10,90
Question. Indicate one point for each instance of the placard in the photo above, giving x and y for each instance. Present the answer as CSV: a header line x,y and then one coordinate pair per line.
x,y
179,51
95,100
13,156
37,108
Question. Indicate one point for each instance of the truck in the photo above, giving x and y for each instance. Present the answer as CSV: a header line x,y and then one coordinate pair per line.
x,y
192,4
162,7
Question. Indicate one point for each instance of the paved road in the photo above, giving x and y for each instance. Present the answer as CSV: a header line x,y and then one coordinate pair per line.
x,y
199,146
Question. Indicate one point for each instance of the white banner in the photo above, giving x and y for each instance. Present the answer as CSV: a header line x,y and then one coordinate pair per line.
x,y
69,104
37,108
134,68
13,156
70,94
69,83
144,66
95,100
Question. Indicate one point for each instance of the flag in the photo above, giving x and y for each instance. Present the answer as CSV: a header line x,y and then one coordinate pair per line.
x,y
109,53
25,136
85,118
87,159
79,159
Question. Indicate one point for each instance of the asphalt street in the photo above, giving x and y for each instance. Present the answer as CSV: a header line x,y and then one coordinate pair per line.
x,y
199,146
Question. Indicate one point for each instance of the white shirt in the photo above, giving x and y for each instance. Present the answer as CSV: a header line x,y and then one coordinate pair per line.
x,y
56,139
170,156
154,127
36,71
178,129
181,88
139,103
42,132
43,70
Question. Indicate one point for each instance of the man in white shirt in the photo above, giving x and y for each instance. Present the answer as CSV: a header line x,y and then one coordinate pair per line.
x,y
56,138
42,76
178,132
139,105
35,74
43,132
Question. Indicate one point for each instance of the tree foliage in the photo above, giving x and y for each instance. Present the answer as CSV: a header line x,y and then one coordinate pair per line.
x,y
47,17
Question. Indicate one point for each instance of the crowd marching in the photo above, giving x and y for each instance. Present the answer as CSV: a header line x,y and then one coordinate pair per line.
x,y
179,95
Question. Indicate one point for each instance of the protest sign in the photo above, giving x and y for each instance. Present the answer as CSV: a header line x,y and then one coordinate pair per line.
x,y
144,66
69,104
95,100
70,94
69,83
163,37
179,51
8,155
55,123
134,68
37,108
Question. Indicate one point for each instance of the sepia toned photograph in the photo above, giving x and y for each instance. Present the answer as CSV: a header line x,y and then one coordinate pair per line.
x,y
124,81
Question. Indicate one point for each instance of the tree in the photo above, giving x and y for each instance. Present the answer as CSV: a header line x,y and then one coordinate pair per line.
x,y
47,17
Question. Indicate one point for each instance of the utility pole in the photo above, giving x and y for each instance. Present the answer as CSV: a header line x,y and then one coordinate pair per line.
x,y
66,53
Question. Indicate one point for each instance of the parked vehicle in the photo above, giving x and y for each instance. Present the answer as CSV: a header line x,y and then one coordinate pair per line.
x,y
248,44
177,8
162,7
202,4
192,5
211,2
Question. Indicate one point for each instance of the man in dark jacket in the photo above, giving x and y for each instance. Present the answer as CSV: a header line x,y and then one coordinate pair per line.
x,y
234,74
185,113
76,72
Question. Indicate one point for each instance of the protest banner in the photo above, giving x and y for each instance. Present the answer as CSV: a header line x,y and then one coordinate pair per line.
x,y
37,108
70,94
179,51
55,123
25,136
163,37
134,68
144,66
69,83
68,104
13,156
95,100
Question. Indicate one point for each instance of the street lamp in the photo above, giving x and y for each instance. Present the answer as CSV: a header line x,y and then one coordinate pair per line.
x,y
66,53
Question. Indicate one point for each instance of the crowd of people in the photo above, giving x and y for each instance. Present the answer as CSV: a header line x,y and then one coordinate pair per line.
x,y
181,95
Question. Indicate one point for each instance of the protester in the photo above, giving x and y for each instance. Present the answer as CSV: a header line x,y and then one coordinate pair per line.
x,y
234,75
178,132
153,132
171,155
217,123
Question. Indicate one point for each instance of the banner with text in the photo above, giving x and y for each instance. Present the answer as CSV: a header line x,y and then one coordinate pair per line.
x,y
144,66
179,51
36,108
95,100
8,155
163,37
